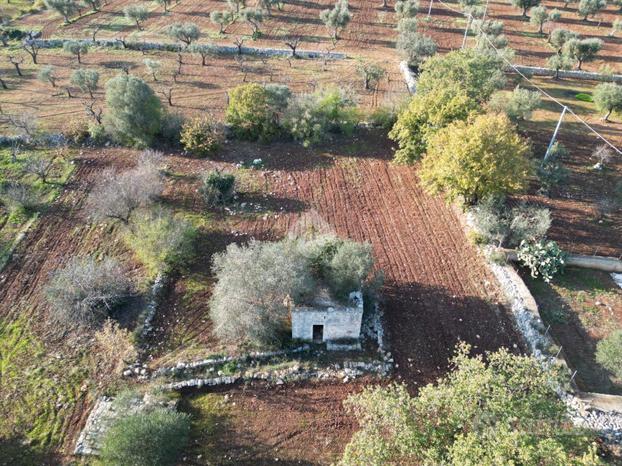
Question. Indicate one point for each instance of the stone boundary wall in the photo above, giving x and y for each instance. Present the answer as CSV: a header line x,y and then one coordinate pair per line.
x,y
411,80
346,371
409,77
584,409
181,367
575,74
171,47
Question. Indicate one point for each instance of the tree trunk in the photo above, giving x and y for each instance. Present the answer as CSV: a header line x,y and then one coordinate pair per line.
x,y
3,84
19,72
606,117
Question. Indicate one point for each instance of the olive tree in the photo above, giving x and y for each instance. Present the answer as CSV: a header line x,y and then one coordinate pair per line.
x,y
559,37
476,159
525,5
559,62
590,8
370,72
184,32
84,291
223,19
337,18
254,17
254,283
153,67
65,8
47,74
134,113
487,410
518,105
165,4
415,47
608,98
204,50
137,14
76,48
118,195
539,16
406,8
86,80
583,50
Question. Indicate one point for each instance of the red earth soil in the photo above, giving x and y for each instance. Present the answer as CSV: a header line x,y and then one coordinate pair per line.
x,y
297,424
437,289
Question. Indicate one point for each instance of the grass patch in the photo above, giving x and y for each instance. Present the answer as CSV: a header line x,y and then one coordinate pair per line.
x,y
38,389
209,414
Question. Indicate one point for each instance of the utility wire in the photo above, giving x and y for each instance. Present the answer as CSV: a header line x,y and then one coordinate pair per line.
x,y
500,54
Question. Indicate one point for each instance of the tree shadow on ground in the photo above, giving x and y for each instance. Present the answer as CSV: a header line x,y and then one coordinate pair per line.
x,y
425,323
577,344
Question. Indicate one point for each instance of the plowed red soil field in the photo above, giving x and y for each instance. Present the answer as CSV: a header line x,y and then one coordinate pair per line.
x,y
437,288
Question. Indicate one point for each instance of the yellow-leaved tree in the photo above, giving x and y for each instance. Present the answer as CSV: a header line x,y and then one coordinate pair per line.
x,y
474,159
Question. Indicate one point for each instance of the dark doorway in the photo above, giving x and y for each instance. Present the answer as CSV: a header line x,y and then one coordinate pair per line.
x,y
318,333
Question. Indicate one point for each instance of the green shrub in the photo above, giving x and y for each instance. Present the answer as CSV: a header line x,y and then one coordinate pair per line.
x,y
161,240
98,134
170,129
218,188
151,438
609,353
254,111
200,136
552,172
543,258
76,131
383,117
311,117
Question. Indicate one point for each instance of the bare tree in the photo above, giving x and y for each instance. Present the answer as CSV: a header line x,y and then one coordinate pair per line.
x,y
292,42
603,154
83,292
16,196
239,42
26,124
32,49
240,60
16,61
98,27
118,195
39,166
168,95
97,114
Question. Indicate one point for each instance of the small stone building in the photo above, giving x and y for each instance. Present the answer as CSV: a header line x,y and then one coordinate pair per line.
x,y
325,320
